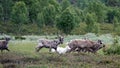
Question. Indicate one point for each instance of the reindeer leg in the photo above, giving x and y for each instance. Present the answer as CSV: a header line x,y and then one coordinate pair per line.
x,y
69,50
56,49
39,46
83,50
50,49
96,50
90,50
38,49
7,49
1,50
79,50
73,49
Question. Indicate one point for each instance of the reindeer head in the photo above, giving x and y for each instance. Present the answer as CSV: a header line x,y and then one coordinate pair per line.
x,y
97,45
61,39
101,44
7,39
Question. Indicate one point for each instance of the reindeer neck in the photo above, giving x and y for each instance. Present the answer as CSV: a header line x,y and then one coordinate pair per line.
x,y
58,42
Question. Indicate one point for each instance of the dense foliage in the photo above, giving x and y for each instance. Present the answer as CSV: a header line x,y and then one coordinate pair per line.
x,y
32,16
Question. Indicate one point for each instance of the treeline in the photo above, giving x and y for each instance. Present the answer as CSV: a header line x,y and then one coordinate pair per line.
x,y
57,16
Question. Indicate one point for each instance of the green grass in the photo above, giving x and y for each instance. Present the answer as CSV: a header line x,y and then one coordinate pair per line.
x,y
23,55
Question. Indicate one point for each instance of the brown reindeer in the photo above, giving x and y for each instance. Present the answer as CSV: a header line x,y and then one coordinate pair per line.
x,y
4,44
85,45
46,43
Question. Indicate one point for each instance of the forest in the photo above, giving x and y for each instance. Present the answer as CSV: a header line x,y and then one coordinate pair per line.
x,y
50,17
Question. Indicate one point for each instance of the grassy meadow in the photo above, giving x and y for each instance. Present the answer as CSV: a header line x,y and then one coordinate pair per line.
x,y
22,55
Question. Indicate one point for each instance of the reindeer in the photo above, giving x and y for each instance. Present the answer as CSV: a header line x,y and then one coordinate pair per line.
x,y
4,44
85,45
46,43
98,45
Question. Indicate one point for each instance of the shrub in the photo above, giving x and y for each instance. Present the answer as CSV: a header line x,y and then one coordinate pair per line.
x,y
114,48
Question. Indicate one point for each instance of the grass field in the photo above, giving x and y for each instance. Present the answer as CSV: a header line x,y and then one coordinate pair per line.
x,y
23,55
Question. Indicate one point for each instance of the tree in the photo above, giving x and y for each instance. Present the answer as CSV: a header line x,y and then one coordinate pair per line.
x,y
6,7
56,5
65,4
112,3
92,26
40,20
19,14
34,9
99,9
116,25
48,14
113,12
79,16
66,21
1,13
82,4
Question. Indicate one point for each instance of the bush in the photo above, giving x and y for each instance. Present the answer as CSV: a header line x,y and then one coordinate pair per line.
x,y
114,48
